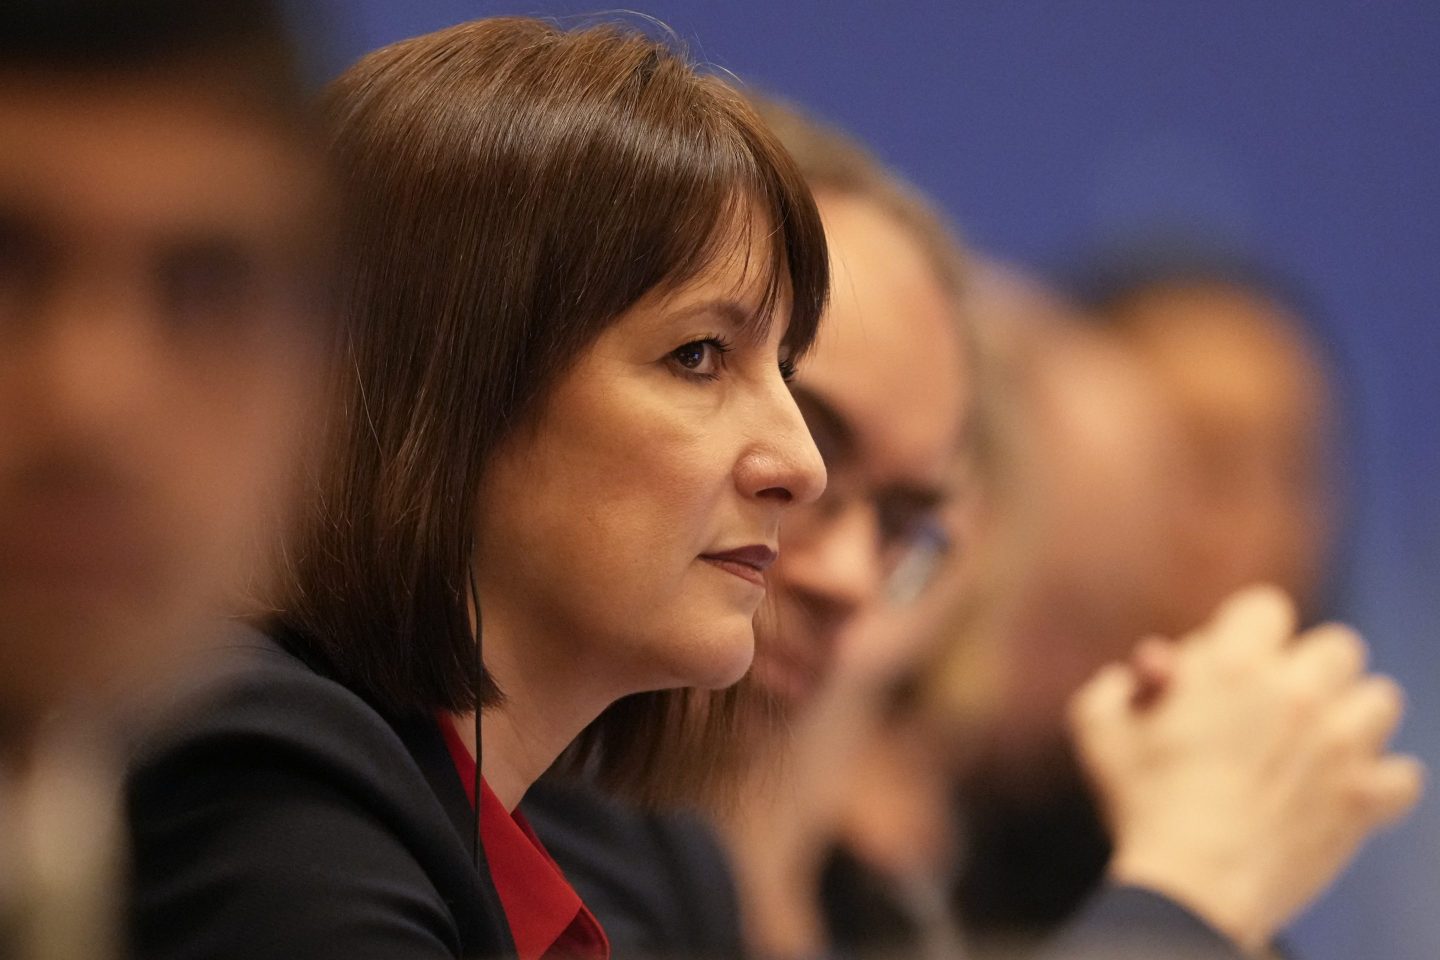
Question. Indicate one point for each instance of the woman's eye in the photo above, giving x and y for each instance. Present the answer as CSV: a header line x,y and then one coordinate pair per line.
x,y
700,357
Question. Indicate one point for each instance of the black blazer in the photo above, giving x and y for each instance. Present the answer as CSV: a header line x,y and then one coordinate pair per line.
x,y
278,815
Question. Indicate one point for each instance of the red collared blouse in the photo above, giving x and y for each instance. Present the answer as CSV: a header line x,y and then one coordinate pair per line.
x,y
547,919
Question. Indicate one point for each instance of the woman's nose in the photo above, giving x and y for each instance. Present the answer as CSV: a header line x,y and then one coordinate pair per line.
x,y
784,465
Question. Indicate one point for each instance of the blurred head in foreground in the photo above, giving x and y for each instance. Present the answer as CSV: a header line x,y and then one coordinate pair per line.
x,y
162,238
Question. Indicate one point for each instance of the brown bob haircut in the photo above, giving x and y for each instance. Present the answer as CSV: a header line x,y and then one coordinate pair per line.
x,y
514,188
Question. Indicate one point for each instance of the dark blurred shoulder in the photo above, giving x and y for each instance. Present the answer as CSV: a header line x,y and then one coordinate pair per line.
x,y
659,883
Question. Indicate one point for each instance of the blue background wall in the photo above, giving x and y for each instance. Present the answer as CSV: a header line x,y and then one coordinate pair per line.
x,y
1309,130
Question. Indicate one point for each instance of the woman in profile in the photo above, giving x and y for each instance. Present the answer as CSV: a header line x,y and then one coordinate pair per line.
x,y
579,275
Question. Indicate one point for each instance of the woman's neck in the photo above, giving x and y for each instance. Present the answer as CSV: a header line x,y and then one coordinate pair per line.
x,y
545,706
516,751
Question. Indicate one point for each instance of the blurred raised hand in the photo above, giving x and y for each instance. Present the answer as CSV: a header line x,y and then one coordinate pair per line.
x,y
1241,768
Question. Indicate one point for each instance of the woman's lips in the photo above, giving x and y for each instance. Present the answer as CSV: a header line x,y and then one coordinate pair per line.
x,y
748,563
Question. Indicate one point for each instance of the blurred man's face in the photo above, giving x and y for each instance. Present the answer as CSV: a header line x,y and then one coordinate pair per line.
x,y
883,392
1088,499
1252,403
157,340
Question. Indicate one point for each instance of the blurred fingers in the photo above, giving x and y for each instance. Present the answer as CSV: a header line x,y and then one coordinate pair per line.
x,y
1392,787
1104,697
1097,713
1328,658
1367,716
1252,621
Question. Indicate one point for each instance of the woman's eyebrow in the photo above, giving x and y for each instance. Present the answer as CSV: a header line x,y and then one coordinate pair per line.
x,y
743,319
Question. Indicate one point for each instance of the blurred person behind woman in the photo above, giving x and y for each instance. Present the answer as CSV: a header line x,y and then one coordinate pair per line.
x,y
875,368
1256,393
1085,500
579,276
845,629
163,264
886,393
1231,411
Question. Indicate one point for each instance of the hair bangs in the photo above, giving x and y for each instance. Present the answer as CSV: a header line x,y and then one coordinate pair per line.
x,y
773,195
695,188
802,259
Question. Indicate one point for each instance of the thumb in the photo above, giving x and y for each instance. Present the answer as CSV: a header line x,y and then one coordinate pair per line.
x,y
1103,700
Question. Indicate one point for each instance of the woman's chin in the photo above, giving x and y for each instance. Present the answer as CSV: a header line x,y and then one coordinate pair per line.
x,y
719,658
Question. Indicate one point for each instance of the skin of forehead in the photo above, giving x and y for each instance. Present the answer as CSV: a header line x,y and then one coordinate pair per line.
x,y
1104,458
888,357
1231,355
50,168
